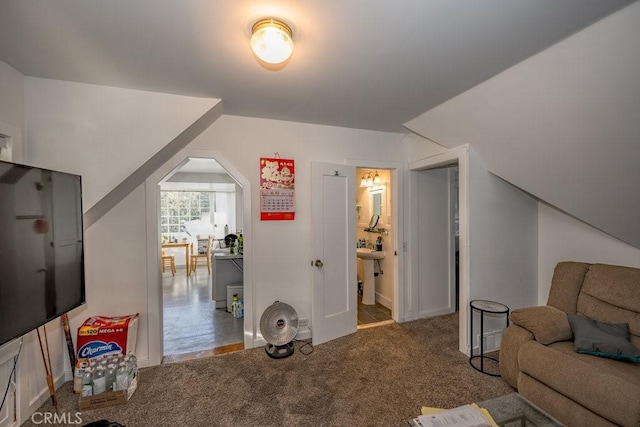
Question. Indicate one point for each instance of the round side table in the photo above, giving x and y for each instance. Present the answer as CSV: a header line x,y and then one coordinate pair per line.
x,y
484,306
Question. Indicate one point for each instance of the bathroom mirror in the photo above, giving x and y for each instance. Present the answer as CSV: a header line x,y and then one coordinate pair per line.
x,y
376,204
374,221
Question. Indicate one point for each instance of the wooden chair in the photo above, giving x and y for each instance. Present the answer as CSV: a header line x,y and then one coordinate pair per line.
x,y
168,261
205,255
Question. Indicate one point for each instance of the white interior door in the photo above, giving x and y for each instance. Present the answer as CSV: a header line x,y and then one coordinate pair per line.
x,y
335,302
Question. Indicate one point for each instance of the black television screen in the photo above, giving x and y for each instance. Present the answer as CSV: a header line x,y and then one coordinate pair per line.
x,y
41,247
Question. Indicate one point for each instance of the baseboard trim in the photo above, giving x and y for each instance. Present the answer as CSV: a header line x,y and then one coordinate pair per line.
x,y
387,302
303,334
43,395
434,312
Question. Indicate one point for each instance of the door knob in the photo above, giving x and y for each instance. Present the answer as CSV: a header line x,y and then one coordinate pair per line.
x,y
318,263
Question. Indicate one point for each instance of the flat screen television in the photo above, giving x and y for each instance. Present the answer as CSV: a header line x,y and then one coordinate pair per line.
x,y
41,247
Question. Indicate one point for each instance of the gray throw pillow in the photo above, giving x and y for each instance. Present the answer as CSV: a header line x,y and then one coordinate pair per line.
x,y
602,339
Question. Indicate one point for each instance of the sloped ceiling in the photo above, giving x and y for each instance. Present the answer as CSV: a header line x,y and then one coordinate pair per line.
x,y
370,64
563,125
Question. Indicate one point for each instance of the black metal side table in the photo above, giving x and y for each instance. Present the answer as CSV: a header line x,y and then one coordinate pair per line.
x,y
484,306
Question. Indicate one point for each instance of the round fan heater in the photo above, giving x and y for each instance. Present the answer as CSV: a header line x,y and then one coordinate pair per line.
x,y
279,325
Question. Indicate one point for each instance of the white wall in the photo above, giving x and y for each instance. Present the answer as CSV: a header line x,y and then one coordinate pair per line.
x,y
563,238
12,108
562,125
503,239
421,148
102,133
11,95
116,274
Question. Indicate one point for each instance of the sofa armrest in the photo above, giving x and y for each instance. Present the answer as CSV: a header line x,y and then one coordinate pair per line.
x,y
546,323
512,339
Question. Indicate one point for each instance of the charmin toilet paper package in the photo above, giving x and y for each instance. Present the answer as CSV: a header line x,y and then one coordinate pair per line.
x,y
102,336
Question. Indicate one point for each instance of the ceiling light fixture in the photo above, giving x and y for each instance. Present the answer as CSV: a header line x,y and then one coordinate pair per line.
x,y
271,40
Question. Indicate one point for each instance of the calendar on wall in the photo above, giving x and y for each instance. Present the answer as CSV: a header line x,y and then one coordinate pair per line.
x,y
277,182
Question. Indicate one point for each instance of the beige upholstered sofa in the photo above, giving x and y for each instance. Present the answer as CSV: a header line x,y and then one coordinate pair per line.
x,y
537,356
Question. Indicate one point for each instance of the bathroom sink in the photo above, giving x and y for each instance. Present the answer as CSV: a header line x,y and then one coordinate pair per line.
x,y
367,257
369,253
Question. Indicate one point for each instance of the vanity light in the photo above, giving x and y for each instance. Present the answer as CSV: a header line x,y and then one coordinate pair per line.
x,y
271,40
367,180
376,179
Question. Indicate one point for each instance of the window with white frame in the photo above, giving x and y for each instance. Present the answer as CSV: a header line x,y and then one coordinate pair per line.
x,y
178,209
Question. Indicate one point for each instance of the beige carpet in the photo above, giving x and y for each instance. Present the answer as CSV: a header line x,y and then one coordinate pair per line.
x,y
376,377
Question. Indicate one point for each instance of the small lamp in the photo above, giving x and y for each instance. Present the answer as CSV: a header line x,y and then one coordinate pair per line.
x,y
271,40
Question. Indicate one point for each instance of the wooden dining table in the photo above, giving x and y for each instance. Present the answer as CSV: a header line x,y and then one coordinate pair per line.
x,y
186,252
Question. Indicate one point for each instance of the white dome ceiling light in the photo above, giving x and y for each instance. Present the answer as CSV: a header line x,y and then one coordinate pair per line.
x,y
271,40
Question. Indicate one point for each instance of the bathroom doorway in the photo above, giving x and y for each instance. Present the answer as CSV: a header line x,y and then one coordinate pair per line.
x,y
376,236
200,203
340,202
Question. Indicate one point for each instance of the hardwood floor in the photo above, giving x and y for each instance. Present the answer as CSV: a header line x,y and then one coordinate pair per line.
x,y
192,326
